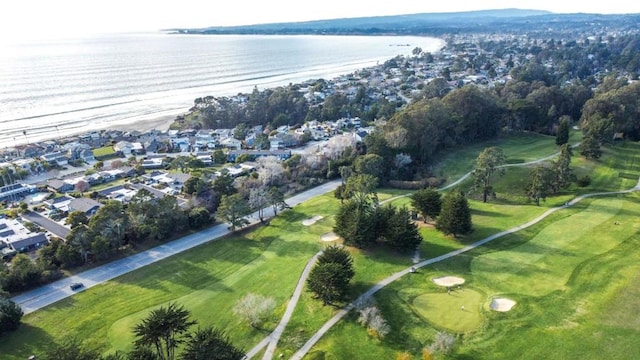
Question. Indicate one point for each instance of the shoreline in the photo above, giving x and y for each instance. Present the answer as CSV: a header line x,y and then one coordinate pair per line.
x,y
156,119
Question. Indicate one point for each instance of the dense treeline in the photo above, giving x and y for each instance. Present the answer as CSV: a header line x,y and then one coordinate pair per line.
x,y
110,232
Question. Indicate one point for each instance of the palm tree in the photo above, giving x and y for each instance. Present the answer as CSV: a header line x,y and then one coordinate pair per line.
x,y
163,330
24,132
210,343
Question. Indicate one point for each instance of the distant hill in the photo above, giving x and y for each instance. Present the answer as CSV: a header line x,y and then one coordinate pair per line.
x,y
504,20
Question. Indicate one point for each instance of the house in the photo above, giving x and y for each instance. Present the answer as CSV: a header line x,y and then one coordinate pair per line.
x,y
124,147
60,204
153,163
254,154
280,141
18,237
56,158
118,193
181,143
14,192
86,205
205,157
237,170
59,186
231,143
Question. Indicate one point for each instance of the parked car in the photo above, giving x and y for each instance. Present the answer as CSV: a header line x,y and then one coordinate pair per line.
x,y
76,286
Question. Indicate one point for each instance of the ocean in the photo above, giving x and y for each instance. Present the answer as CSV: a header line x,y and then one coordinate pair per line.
x,y
54,88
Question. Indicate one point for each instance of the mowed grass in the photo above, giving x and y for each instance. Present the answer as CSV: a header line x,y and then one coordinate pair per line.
x,y
458,311
517,148
574,277
207,280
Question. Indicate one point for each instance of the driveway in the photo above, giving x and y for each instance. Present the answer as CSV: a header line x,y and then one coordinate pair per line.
x,y
47,224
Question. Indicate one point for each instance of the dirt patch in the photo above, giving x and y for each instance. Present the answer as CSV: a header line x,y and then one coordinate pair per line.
x,y
502,304
330,236
309,222
448,281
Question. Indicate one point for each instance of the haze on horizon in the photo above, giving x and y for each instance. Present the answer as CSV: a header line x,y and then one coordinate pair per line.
x,y
42,19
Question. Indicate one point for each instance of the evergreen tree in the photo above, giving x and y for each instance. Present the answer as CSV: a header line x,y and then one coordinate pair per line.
x,y
10,315
455,216
329,279
562,136
402,234
211,344
562,173
428,202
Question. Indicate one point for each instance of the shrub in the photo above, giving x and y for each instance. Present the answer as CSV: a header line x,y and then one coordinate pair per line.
x,y
584,181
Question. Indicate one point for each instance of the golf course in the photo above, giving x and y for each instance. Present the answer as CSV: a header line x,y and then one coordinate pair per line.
x,y
563,288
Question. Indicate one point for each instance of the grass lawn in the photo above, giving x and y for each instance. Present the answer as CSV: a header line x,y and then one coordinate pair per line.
x,y
207,280
574,277
104,152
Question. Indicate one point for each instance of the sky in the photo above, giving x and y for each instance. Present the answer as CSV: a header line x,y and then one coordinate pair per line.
x,y
35,19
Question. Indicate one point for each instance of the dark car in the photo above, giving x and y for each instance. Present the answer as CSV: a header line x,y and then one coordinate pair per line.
x,y
76,286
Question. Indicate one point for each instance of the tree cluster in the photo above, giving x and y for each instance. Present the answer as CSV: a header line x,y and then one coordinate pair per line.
x,y
544,181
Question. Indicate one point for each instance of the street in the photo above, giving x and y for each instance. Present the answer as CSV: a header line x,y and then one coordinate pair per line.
x,y
33,300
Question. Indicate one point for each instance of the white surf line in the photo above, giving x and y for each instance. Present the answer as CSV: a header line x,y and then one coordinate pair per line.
x,y
316,337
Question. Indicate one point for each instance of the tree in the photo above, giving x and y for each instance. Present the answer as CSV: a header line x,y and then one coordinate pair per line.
x,y
258,199
199,217
539,185
401,233
364,184
211,344
487,163
329,279
219,157
562,136
370,164
81,186
590,148
10,315
234,209
77,218
163,330
455,216
428,202
355,221
98,165
276,200
254,309
562,173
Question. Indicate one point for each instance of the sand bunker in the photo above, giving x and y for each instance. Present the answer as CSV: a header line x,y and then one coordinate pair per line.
x,y
330,236
502,304
309,222
448,281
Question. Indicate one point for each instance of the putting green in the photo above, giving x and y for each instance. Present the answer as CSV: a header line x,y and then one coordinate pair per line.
x,y
445,310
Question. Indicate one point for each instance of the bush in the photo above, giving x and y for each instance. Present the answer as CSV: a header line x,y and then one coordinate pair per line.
x,y
584,181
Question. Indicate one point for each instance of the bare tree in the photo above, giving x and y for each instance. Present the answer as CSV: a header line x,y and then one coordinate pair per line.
x,y
254,308
338,144
270,170
377,326
443,343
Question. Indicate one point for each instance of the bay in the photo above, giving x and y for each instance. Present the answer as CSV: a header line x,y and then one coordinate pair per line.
x,y
54,88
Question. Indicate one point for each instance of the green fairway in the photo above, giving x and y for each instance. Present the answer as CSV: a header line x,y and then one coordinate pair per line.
x,y
574,275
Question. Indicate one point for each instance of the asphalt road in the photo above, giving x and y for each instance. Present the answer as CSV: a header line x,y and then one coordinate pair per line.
x,y
46,295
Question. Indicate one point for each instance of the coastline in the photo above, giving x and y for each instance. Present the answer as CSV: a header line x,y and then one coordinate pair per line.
x,y
83,105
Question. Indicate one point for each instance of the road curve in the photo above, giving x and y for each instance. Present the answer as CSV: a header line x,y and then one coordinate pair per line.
x,y
33,300
316,337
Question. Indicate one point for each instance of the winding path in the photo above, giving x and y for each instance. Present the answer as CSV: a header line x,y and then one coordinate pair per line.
x,y
340,314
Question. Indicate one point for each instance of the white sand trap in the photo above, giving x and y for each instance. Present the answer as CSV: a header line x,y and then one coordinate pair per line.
x,y
330,236
448,281
502,304
309,222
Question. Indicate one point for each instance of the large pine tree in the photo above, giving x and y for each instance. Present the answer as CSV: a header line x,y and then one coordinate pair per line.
x,y
455,216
